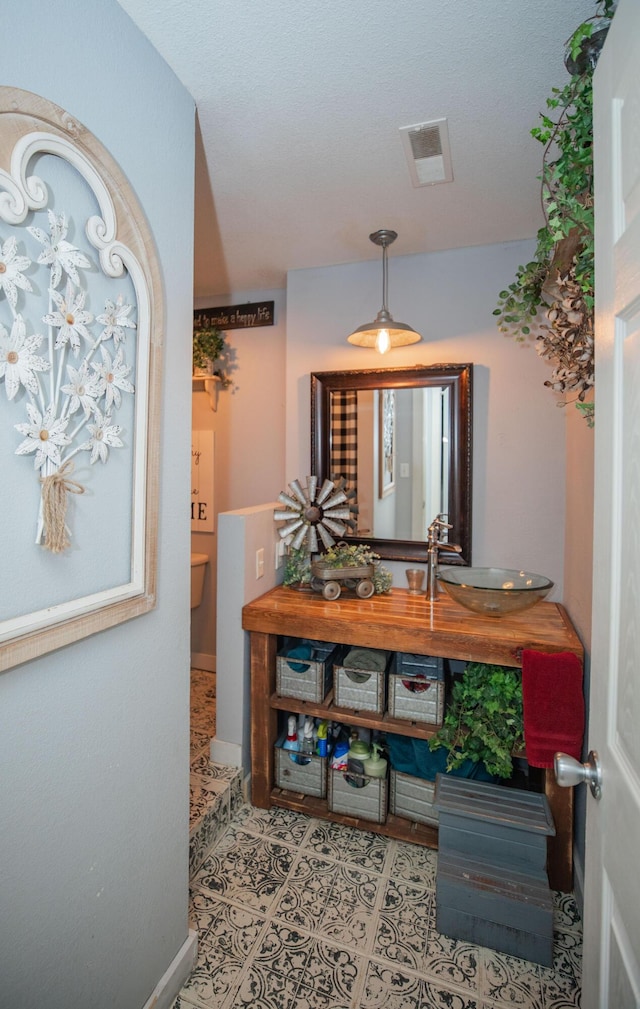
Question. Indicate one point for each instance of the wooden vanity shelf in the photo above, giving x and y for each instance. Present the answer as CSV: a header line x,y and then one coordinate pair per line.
x,y
397,622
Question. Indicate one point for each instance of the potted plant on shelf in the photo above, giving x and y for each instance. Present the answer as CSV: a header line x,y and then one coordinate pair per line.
x,y
484,721
552,297
209,347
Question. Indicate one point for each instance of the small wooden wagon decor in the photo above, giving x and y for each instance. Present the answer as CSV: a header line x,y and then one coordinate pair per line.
x,y
352,566
331,580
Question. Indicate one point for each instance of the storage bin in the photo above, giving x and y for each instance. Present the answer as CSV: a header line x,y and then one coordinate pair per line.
x,y
506,826
492,906
431,666
305,679
417,700
305,773
358,795
412,798
359,689
491,882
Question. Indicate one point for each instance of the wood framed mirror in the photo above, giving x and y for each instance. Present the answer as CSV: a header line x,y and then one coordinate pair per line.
x,y
402,439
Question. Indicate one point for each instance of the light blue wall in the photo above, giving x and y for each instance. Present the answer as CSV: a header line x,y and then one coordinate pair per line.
x,y
518,431
94,738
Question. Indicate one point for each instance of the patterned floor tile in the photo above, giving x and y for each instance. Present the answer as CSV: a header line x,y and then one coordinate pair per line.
x,y
298,913
261,988
432,996
509,981
388,987
452,962
567,953
332,971
198,741
565,912
334,901
213,977
251,870
232,931
361,847
414,863
278,824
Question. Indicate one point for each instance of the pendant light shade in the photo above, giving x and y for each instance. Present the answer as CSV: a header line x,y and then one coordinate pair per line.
x,y
383,333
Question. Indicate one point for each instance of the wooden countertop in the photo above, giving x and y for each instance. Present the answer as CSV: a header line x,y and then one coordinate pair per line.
x,y
398,621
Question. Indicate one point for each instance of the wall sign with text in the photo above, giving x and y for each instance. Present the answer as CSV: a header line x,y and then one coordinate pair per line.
x,y
247,316
202,460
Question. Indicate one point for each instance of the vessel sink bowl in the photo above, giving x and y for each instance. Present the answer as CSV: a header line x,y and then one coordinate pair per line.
x,y
496,592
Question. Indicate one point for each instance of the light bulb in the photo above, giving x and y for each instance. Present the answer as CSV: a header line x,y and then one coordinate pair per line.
x,y
383,341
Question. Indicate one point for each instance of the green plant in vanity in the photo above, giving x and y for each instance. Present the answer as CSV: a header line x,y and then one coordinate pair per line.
x,y
209,346
552,297
297,567
484,719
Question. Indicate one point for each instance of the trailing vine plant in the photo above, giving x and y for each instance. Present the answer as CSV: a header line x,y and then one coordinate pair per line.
x,y
552,297
484,720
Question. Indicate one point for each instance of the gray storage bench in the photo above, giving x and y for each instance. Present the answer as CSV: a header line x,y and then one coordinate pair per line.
x,y
491,885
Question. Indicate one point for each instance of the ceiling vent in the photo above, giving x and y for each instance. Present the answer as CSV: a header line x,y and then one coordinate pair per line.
x,y
426,146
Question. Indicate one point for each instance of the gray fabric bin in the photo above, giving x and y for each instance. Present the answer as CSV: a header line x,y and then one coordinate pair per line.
x,y
412,798
367,802
300,772
305,679
431,666
415,700
358,689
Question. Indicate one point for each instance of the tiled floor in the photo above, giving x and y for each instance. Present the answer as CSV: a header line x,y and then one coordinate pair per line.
x,y
297,913
215,791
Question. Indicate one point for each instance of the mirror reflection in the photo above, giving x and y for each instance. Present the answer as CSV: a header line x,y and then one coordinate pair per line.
x,y
401,438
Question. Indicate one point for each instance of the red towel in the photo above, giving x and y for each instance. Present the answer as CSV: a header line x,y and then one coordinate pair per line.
x,y
553,705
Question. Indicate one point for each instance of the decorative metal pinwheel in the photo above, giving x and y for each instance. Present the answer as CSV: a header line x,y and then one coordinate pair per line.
x,y
311,512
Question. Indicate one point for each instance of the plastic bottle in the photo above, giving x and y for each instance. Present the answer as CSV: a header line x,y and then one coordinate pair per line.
x,y
322,738
291,742
375,766
339,759
307,738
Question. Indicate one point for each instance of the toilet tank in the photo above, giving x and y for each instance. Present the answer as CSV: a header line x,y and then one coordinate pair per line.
x,y
198,567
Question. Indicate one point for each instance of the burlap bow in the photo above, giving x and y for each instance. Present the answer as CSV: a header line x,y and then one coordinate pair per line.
x,y
54,506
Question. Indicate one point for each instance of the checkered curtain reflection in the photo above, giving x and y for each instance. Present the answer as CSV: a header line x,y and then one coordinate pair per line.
x,y
344,437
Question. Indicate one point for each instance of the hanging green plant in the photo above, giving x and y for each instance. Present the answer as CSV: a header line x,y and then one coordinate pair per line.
x,y
552,297
209,347
483,722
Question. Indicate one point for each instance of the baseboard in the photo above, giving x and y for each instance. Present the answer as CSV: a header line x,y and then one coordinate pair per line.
x,y
169,985
578,882
229,754
246,787
200,660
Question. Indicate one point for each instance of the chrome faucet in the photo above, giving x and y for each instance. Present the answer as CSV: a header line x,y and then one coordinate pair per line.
x,y
434,544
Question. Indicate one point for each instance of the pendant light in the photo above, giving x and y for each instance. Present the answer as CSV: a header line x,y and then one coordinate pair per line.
x,y
384,333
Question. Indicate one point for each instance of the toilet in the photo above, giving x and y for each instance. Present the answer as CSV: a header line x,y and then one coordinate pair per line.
x,y
198,566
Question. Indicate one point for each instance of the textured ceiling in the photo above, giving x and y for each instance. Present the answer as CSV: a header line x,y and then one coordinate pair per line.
x,y
299,105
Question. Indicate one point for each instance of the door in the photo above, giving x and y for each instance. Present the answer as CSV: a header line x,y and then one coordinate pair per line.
x,y
611,971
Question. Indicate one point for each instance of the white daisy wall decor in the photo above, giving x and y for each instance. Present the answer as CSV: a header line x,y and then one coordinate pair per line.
x,y
80,315
60,412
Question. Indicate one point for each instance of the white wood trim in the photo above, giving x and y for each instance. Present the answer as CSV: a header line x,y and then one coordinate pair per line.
x,y
168,987
201,660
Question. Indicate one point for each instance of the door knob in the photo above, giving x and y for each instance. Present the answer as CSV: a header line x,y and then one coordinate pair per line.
x,y
570,772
